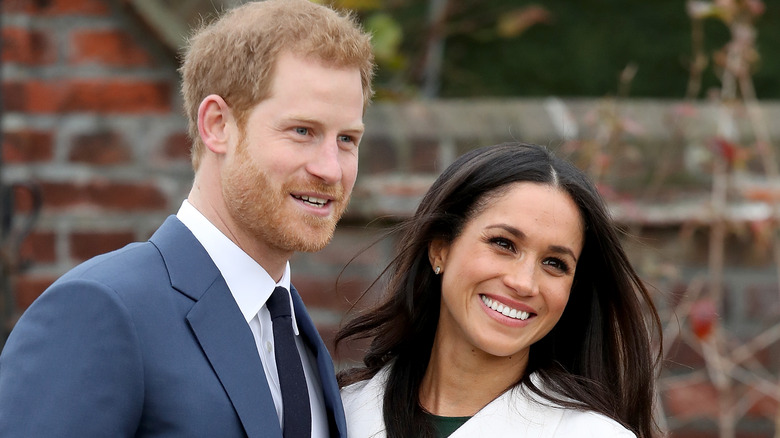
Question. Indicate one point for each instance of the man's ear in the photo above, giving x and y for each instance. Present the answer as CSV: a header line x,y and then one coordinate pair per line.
x,y
214,121
437,253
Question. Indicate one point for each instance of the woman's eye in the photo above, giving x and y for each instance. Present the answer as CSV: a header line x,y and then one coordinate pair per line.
x,y
557,264
302,131
502,243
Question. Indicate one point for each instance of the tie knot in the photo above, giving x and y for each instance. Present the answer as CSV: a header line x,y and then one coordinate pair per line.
x,y
279,303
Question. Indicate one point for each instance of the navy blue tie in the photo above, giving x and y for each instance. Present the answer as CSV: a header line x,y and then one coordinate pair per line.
x,y
295,396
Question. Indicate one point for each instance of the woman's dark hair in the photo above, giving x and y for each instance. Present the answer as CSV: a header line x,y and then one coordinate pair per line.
x,y
597,357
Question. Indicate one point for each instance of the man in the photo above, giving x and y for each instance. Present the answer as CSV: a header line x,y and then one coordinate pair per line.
x,y
183,335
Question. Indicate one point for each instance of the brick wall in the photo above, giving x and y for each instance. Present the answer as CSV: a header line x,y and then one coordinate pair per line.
x,y
91,117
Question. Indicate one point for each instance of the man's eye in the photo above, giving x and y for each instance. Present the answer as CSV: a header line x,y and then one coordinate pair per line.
x,y
346,139
302,131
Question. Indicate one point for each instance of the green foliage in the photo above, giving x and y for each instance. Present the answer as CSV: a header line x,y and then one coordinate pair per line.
x,y
560,47
386,39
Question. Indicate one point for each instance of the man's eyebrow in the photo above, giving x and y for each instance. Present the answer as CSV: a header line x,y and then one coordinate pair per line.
x,y
357,128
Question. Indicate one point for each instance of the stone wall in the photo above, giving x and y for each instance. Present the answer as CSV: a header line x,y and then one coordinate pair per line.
x,y
91,118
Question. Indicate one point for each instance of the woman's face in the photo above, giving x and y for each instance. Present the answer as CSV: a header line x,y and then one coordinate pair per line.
x,y
506,278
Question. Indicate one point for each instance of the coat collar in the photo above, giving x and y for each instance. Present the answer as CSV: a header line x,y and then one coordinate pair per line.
x,y
219,327
227,341
516,412
190,268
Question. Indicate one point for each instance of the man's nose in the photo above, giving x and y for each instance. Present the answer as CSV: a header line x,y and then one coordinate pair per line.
x,y
324,164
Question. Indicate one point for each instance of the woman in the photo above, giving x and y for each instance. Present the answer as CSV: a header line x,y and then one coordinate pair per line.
x,y
510,310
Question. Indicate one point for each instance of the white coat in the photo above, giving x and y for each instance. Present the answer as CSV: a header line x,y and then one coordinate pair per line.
x,y
516,413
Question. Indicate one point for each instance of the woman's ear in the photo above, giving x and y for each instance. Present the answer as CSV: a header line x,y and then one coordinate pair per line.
x,y
437,254
214,121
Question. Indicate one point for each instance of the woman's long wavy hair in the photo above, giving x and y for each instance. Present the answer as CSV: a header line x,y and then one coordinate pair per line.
x,y
598,357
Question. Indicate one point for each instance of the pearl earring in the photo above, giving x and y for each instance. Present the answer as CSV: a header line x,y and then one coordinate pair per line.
x,y
437,270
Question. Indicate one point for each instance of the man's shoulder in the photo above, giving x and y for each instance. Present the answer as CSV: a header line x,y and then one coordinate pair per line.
x,y
136,260
134,264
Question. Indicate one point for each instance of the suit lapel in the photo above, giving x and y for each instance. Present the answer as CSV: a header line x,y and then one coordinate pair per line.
x,y
220,328
330,388
230,347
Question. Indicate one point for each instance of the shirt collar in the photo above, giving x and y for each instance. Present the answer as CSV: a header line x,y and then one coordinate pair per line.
x,y
249,283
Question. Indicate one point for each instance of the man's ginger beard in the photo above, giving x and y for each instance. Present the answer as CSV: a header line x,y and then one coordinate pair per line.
x,y
262,207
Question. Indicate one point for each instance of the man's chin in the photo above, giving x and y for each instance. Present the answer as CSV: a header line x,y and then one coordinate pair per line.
x,y
311,245
313,239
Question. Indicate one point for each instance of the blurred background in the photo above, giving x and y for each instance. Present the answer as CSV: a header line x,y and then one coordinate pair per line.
x,y
671,106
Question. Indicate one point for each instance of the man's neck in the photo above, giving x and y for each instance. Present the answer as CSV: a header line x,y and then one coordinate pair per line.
x,y
273,260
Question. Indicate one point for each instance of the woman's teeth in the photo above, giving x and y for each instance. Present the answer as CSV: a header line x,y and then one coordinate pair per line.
x,y
505,310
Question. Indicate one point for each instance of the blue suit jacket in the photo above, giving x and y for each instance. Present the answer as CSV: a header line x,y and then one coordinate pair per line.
x,y
146,341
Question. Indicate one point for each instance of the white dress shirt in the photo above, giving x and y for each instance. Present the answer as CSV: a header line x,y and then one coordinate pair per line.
x,y
251,287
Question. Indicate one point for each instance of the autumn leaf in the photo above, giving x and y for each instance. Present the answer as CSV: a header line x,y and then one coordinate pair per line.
x,y
733,154
703,316
517,21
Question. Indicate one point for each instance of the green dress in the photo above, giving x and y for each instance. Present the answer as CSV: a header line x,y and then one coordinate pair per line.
x,y
445,426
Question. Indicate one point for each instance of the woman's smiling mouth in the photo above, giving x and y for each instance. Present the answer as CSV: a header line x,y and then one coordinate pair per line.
x,y
505,310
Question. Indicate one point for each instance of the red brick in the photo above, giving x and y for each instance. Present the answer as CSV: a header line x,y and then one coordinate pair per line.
x,y
100,148
348,354
27,146
103,96
425,153
38,247
13,96
691,400
28,287
324,293
24,195
765,406
697,431
110,47
56,7
177,146
381,156
87,245
682,356
118,196
352,245
60,195
27,47
126,196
